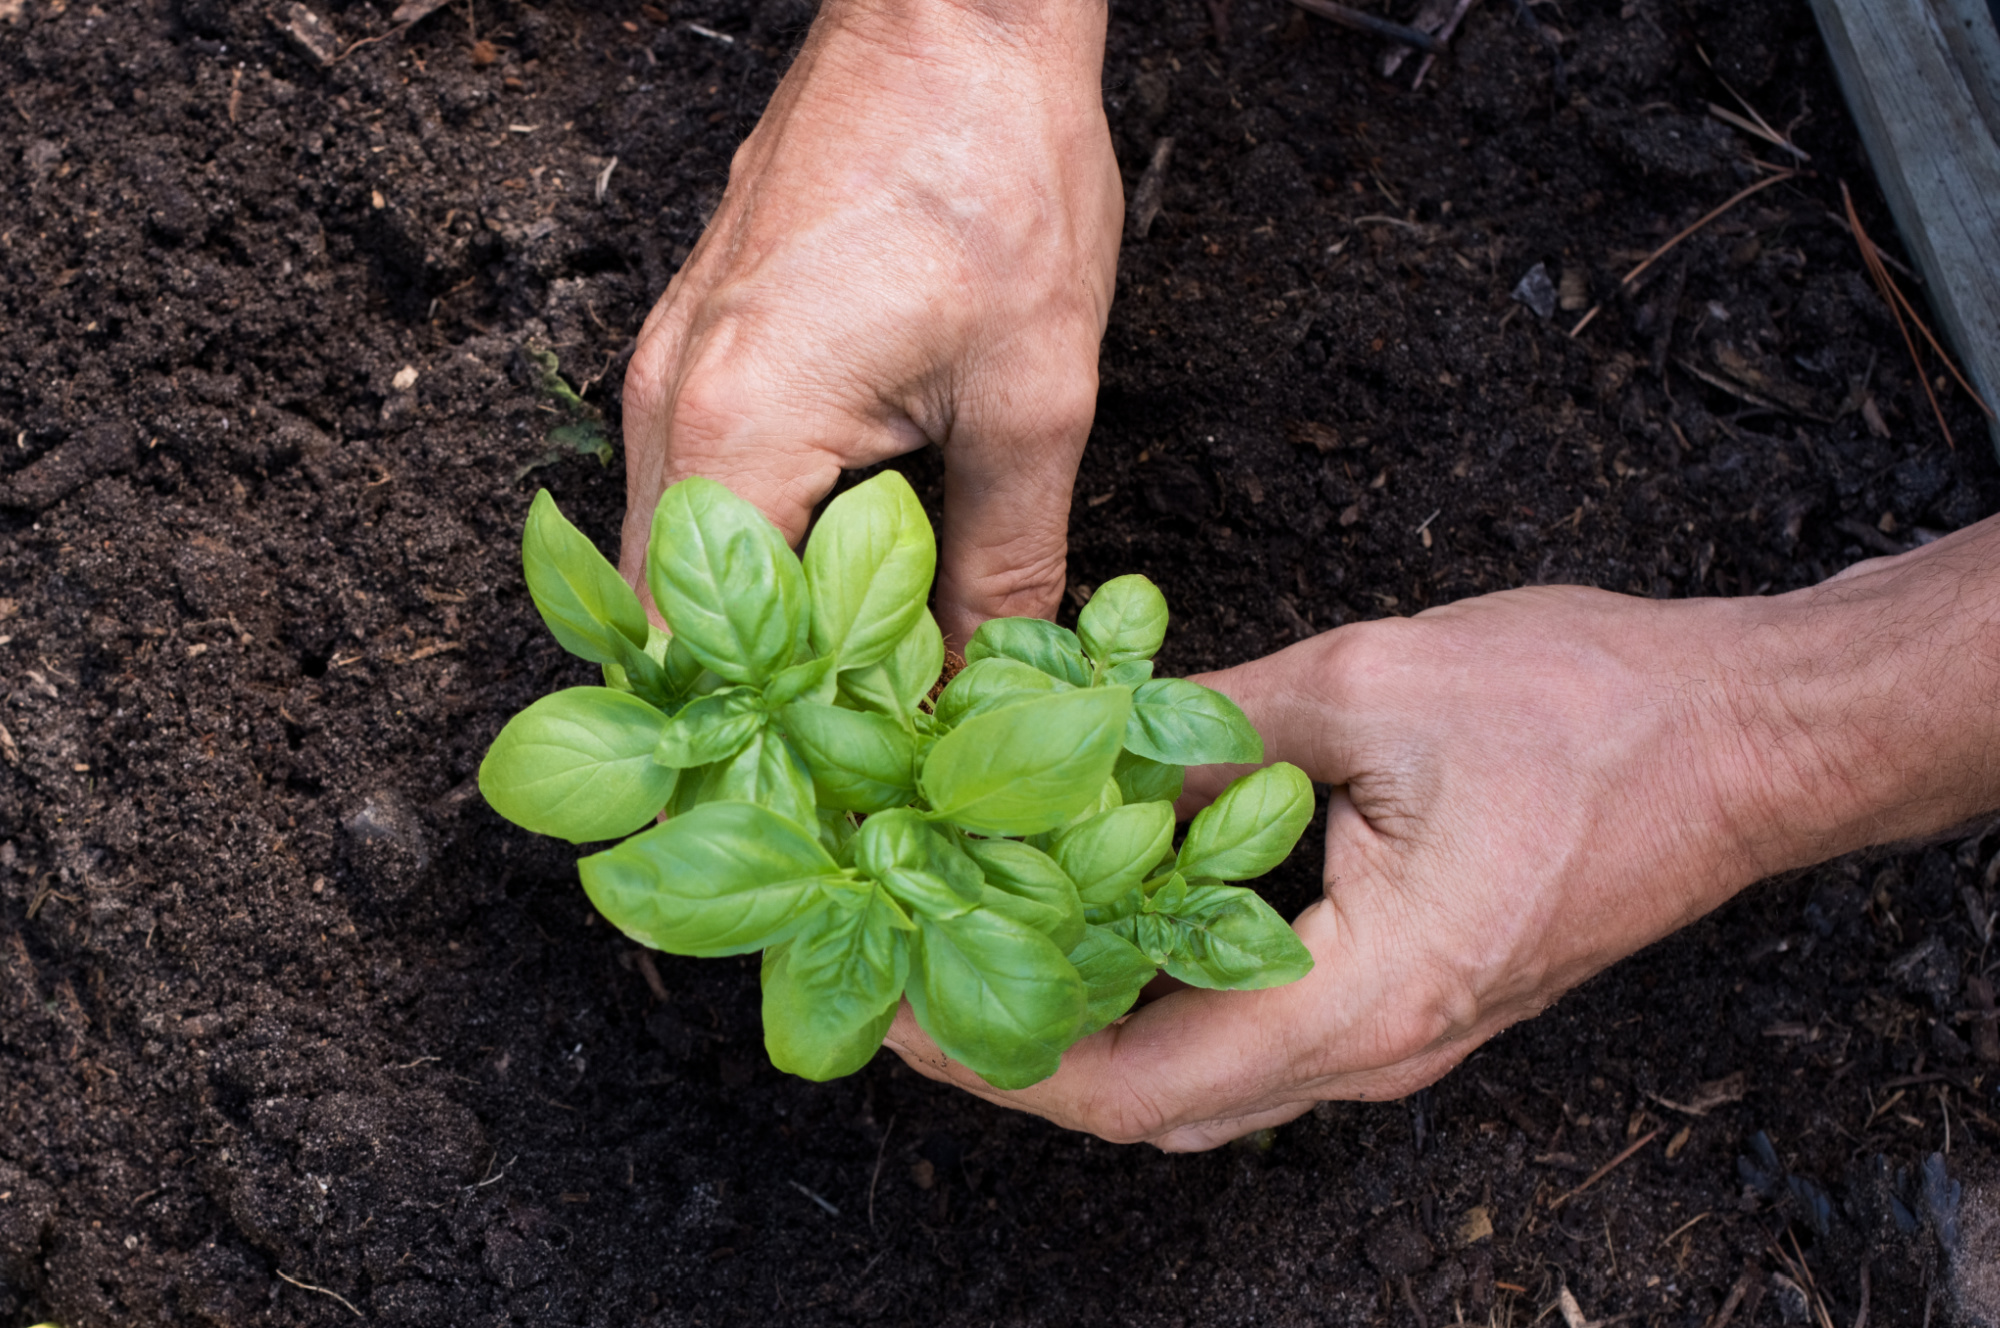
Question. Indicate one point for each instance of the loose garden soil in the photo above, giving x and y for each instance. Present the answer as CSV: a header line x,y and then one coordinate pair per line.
x,y
293,1029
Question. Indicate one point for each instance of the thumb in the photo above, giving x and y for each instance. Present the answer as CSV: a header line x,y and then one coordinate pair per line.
x,y
1197,1068
1288,697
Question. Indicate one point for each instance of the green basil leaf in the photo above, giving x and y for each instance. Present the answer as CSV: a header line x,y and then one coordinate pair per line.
x,y
1114,972
1034,641
1183,723
1226,938
1129,673
767,772
1251,828
683,671
709,729
899,683
1125,620
1168,896
811,681
1115,850
725,878
860,762
1142,779
920,867
991,683
687,793
1153,934
1124,906
575,765
1027,767
868,568
586,604
1109,798
726,582
997,996
831,991
1028,886
836,834
926,894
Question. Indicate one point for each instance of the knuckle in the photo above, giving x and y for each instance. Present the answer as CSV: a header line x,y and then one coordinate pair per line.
x,y
1072,407
1018,581
707,409
1362,657
646,377
1123,1121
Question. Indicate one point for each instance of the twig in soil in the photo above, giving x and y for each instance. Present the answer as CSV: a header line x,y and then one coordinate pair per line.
x,y
1882,544
1607,1168
814,1196
651,972
1410,1299
1756,130
1666,1239
1218,16
873,1180
396,31
1742,393
1669,246
1801,1274
410,11
1549,42
1378,219
1146,199
1756,124
1889,259
1746,1283
1892,295
307,1286
1444,35
1380,27
495,1176
1669,305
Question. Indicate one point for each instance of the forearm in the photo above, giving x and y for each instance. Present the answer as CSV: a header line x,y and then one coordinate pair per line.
x,y
1865,709
1052,34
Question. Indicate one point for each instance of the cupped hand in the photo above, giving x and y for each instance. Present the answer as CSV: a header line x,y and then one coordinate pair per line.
x,y
1528,786
917,244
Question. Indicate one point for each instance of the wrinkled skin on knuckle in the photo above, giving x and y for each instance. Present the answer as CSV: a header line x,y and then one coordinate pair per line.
x,y
1024,578
1118,1110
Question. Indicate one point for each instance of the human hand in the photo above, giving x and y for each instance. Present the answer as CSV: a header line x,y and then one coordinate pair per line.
x,y
918,243
1530,786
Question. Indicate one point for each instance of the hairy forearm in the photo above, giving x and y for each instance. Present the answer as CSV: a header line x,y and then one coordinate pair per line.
x,y
1865,709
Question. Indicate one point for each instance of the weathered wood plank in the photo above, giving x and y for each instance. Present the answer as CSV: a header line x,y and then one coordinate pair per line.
x,y
1923,80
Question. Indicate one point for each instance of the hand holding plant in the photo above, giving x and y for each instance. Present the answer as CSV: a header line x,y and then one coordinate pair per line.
x,y
1529,786
918,244
1002,855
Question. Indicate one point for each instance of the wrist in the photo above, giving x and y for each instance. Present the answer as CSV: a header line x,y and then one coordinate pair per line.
x,y
1858,711
1053,35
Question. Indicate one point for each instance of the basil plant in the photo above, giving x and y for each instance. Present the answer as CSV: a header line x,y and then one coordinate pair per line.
x,y
1000,852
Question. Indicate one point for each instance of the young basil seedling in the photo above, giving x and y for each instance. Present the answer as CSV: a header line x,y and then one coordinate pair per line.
x,y
1002,855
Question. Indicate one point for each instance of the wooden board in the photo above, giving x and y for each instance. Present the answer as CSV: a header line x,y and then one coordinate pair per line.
x,y
1923,80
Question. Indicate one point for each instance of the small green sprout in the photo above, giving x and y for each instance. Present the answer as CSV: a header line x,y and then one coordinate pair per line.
x,y
584,432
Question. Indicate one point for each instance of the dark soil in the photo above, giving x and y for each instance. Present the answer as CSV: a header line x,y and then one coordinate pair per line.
x,y
281,1001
